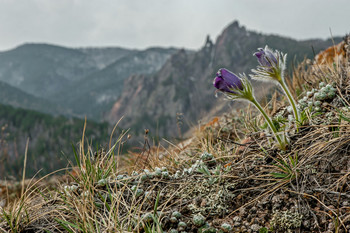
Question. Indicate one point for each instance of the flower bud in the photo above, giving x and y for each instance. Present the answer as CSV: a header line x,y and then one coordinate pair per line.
x,y
226,81
266,58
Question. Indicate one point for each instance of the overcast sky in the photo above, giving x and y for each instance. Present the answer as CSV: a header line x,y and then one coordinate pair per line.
x,y
179,23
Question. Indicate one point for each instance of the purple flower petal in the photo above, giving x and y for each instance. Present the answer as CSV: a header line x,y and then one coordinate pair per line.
x,y
266,58
271,56
225,81
261,55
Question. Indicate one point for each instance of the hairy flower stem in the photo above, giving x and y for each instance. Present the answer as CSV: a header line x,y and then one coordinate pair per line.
x,y
290,98
281,142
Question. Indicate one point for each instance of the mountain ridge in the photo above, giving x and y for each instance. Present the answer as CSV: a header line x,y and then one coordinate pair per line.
x,y
99,88
17,98
74,77
184,84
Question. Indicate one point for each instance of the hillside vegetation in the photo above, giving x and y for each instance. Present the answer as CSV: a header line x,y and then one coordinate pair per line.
x,y
228,177
17,98
50,140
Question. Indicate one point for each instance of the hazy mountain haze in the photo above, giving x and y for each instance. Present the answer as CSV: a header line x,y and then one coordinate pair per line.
x,y
180,23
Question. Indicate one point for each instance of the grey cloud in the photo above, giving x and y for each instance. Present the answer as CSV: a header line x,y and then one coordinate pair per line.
x,y
180,23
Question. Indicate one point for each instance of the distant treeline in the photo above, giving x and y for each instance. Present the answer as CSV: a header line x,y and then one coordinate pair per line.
x,y
50,140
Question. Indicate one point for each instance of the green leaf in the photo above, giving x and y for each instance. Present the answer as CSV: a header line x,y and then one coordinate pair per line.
x,y
279,175
76,156
263,230
65,225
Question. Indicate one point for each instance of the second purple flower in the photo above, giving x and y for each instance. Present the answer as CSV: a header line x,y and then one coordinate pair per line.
x,y
267,58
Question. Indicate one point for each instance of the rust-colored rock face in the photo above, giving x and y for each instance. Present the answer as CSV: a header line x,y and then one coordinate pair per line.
x,y
332,54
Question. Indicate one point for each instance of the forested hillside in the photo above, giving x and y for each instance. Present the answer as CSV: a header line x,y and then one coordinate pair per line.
x,y
50,140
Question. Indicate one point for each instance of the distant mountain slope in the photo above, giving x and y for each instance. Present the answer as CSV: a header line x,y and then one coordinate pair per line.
x,y
42,69
96,94
106,55
17,98
50,140
183,87
85,81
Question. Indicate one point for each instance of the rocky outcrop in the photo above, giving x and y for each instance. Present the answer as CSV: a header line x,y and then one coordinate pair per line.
x,y
158,101
181,92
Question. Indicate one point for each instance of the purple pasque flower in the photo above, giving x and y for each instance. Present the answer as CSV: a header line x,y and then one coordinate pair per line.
x,y
272,67
267,58
226,81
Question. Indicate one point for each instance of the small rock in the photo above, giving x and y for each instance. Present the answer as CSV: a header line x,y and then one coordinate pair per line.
x,y
2,203
276,206
245,141
236,219
236,224
306,224
331,226
255,221
243,212
226,227
276,199
253,210
255,227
